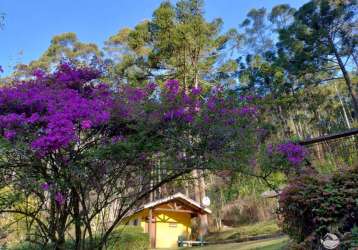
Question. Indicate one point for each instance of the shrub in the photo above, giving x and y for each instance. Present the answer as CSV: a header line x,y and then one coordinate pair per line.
x,y
354,241
313,205
129,238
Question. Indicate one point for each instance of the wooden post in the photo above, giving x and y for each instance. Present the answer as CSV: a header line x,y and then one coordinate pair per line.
x,y
150,228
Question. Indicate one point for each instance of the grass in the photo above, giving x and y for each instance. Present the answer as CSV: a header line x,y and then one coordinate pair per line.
x,y
132,238
123,238
267,244
262,228
269,227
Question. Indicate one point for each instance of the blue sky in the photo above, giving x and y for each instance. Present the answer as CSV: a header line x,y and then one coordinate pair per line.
x,y
30,24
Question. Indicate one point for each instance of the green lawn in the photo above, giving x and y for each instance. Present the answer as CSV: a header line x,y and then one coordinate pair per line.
x,y
268,244
269,227
262,228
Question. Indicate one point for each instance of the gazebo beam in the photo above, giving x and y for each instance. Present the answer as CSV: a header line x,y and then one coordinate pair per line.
x,y
175,210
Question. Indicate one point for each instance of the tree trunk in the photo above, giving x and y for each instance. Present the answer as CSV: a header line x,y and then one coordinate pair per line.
x,y
203,217
297,131
347,79
195,175
199,193
77,220
282,121
87,222
343,108
60,243
52,222
186,188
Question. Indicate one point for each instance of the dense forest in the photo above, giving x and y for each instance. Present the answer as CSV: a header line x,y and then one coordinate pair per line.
x,y
299,65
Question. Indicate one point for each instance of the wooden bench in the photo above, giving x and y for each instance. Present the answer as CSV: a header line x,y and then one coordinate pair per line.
x,y
182,242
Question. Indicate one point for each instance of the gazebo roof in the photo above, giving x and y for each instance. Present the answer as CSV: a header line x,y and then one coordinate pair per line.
x,y
181,197
178,197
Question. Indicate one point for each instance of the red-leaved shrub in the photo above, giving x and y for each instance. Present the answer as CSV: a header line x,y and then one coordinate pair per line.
x,y
313,205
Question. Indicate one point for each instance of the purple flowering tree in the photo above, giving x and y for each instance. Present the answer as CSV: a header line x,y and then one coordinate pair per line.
x,y
81,155
289,158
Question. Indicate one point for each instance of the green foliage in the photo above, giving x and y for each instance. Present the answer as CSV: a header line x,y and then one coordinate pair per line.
x,y
313,205
65,46
298,74
178,42
257,31
124,238
129,238
320,42
354,240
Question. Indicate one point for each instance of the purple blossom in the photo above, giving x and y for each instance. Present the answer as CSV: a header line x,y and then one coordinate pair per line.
x,y
9,134
59,133
247,110
117,138
59,198
295,160
11,120
74,77
249,98
86,124
294,153
186,99
224,111
179,112
211,103
1,69
206,119
48,112
196,90
134,94
151,86
169,115
45,186
188,118
197,106
33,118
172,87
39,73
55,110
